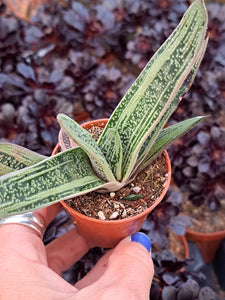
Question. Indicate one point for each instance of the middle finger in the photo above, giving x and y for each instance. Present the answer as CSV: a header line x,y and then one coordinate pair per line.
x,y
63,252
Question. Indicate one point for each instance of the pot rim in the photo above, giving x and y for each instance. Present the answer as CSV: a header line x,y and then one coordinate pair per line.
x,y
206,235
133,218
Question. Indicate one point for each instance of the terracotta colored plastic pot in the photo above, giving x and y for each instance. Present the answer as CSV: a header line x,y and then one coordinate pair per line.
x,y
186,249
107,233
183,242
208,243
185,245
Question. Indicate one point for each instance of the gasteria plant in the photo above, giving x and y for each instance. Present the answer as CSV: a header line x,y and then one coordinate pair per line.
x,y
131,140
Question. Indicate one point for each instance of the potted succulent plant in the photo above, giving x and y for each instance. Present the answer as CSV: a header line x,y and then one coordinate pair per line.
x,y
132,138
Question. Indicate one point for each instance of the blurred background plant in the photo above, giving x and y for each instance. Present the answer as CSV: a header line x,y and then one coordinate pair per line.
x,y
199,164
79,58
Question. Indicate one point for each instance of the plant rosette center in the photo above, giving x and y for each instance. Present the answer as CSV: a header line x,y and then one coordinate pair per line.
x,y
130,200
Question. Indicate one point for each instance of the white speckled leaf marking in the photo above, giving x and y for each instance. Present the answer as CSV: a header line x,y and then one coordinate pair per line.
x,y
84,139
14,157
166,137
149,98
111,147
183,89
127,141
59,177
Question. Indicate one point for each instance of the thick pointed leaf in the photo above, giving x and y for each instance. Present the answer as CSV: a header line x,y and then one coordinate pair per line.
x,y
84,139
14,157
59,177
149,98
111,147
166,137
182,91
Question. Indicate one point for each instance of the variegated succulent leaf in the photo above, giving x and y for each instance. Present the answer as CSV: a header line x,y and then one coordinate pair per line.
x,y
111,147
166,137
85,140
182,91
59,177
14,157
151,95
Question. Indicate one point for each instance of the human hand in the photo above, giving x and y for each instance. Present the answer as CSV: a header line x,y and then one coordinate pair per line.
x,y
29,270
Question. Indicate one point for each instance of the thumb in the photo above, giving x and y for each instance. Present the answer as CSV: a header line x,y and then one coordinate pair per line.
x,y
130,268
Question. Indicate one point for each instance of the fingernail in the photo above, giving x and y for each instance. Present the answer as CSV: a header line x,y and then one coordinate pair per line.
x,y
142,239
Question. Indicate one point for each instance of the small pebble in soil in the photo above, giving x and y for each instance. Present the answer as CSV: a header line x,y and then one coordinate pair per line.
x,y
124,214
101,215
116,205
136,189
114,215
